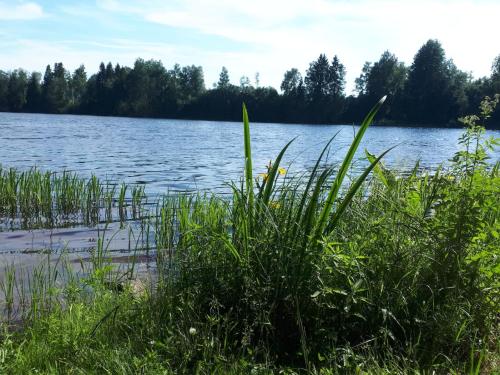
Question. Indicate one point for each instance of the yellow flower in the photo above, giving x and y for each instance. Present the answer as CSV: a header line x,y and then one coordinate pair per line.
x,y
274,204
264,176
282,171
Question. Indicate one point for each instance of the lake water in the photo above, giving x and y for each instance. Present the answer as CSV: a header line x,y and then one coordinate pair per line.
x,y
179,155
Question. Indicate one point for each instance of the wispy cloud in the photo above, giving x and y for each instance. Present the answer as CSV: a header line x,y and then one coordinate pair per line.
x,y
21,11
293,32
266,36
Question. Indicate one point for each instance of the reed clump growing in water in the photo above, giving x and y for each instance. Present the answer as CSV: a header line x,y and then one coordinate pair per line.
x,y
36,199
396,274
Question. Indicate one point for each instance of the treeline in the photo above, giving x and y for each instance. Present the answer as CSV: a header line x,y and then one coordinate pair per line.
x,y
432,91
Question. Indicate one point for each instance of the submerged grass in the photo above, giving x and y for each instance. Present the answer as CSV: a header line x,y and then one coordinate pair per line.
x,y
36,199
398,274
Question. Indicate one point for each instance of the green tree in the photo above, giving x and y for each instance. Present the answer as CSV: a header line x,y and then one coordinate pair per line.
x,y
120,90
495,75
4,89
336,78
192,83
325,89
245,83
294,98
458,83
152,90
78,85
55,89
323,80
47,88
495,88
99,95
495,67
362,81
104,93
34,93
18,84
432,91
318,78
292,82
387,76
223,79
428,90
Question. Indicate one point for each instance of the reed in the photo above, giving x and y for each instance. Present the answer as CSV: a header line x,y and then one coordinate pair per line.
x,y
7,287
35,199
138,200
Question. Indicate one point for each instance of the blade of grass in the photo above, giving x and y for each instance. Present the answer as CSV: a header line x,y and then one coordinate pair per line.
x,y
378,169
353,189
271,177
300,213
332,196
248,156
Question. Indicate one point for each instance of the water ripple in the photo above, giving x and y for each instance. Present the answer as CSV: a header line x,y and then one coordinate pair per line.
x,y
187,155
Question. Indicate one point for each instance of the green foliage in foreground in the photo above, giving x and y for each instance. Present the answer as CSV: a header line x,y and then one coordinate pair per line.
x,y
399,275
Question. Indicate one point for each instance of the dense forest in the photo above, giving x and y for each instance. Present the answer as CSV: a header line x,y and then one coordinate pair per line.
x,y
432,91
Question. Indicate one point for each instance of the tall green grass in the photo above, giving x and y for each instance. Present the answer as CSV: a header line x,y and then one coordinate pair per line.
x,y
36,199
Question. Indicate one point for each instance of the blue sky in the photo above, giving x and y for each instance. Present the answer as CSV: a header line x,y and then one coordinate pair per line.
x,y
265,36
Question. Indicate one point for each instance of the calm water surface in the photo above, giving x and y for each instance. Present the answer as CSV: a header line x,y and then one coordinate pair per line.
x,y
179,155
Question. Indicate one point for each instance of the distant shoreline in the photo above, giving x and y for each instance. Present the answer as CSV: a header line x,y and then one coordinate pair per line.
x,y
455,125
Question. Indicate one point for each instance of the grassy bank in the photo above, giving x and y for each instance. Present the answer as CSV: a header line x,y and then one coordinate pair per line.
x,y
319,273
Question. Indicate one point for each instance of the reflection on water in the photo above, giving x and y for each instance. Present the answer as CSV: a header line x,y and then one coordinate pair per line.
x,y
115,236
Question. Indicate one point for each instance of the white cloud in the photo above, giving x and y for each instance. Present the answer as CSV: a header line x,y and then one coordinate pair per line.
x,y
22,11
275,35
286,33
34,55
